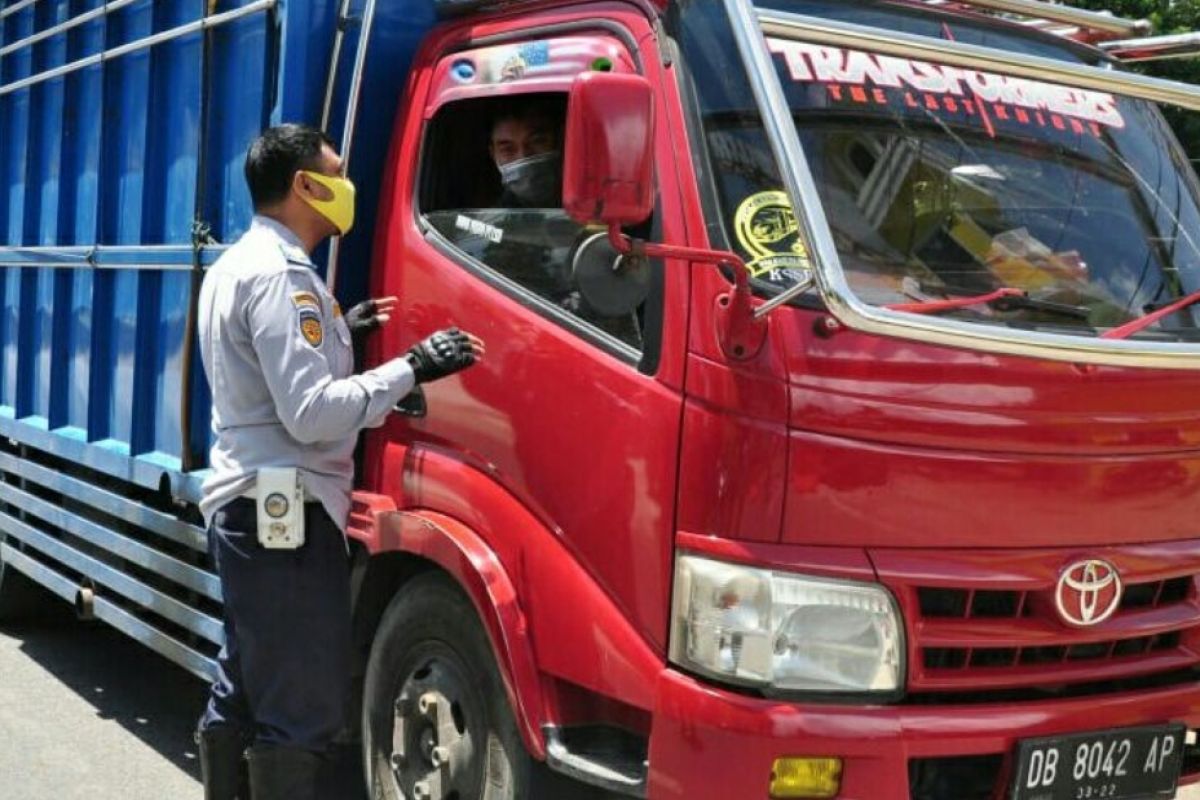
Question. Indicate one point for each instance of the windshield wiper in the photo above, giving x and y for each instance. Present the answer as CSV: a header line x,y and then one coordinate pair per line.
x,y
1141,323
1006,298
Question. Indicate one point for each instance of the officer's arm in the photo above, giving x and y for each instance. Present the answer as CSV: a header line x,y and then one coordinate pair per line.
x,y
311,404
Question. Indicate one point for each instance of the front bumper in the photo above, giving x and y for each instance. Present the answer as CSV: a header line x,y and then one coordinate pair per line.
x,y
712,744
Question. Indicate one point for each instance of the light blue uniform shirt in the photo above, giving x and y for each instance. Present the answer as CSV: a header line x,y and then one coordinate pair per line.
x,y
279,360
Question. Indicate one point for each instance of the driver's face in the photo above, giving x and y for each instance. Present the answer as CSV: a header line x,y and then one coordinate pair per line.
x,y
514,139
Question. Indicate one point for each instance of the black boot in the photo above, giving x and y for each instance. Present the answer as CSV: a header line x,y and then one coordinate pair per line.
x,y
223,763
283,773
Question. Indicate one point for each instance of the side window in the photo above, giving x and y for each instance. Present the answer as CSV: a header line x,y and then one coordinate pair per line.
x,y
492,186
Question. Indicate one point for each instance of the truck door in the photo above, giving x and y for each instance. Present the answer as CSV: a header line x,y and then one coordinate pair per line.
x,y
576,409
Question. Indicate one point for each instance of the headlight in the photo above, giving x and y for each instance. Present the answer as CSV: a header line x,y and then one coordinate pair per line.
x,y
775,629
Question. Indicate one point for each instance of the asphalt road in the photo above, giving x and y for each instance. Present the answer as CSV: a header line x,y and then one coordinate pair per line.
x,y
88,714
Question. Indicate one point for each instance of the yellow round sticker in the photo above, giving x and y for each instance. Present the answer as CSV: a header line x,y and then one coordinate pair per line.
x,y
767,230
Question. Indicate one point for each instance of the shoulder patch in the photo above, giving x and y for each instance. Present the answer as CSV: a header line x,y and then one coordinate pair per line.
x,y
337,308
302,299
311,329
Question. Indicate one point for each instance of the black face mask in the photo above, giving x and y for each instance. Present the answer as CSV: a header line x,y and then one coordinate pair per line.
x,y
536,181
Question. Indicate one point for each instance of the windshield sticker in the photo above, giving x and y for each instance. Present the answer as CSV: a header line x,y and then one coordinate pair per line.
x,y
515,63
535,54
768,231
857,77
479,228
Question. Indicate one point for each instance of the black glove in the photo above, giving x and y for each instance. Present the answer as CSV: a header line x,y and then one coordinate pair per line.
x,y
441,354
362,318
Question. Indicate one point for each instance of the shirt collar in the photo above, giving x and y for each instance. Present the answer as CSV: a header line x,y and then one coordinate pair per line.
x,y
289,242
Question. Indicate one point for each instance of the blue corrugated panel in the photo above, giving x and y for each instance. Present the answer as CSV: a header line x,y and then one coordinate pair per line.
x,y
14,111
240,65
105,168
304,55
397,31
82,128
12,329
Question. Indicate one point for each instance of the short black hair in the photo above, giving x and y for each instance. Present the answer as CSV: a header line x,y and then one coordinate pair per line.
x,y
275,157
549,106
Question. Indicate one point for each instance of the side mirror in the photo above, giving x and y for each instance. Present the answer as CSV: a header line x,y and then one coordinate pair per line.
x,y
608,172
608,163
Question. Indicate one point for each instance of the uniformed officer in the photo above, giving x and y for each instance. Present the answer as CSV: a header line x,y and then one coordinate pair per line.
x,y
286,410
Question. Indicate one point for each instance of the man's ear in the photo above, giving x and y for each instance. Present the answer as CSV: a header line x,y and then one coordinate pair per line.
x,y
301,184
307,187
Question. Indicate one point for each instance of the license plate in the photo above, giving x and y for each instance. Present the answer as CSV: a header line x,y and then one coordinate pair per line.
x,y
1102,765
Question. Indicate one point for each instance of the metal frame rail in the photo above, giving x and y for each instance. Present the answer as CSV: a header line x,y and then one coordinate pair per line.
x,y
134,46
78,532
1100,22
1154,48
1099,28
355,91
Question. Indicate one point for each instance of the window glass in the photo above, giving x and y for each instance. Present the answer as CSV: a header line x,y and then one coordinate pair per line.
x,y
492,187
939,183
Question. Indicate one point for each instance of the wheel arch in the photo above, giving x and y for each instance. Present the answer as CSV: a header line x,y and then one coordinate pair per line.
x,y
550,621
413,543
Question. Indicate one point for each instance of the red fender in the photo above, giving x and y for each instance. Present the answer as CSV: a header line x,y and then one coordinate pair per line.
x,y
460,552
546,614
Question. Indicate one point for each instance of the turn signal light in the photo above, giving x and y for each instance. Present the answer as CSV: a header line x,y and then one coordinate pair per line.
x,y
806,777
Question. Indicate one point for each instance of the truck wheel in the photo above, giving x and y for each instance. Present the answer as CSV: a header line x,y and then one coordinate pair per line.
x,y
20,597
436,720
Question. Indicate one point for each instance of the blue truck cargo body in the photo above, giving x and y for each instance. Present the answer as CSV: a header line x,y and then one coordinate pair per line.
x,y
123,128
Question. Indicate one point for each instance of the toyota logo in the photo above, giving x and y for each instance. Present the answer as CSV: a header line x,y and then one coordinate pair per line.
x,y
1088,592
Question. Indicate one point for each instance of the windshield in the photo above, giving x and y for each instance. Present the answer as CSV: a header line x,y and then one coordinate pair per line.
x,y
1068,209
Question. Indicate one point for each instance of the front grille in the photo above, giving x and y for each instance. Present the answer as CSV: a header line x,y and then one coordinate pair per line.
x,y
998,627
963,657
1004,604
957,778
967,695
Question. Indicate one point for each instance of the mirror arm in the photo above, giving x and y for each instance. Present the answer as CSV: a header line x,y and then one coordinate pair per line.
x,y
742,331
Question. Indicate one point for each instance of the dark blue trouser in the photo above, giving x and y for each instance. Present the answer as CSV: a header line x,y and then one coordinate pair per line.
x,y
284,672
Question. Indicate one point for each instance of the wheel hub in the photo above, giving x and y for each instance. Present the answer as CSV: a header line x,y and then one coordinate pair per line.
x,y
433,754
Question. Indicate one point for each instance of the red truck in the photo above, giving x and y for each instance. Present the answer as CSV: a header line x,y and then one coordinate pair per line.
x,y
839,434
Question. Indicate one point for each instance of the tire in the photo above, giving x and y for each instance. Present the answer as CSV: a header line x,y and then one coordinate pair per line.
x,y
21,598
431,674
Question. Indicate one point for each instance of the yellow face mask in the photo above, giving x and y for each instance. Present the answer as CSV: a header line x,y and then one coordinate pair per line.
x,y
339,210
